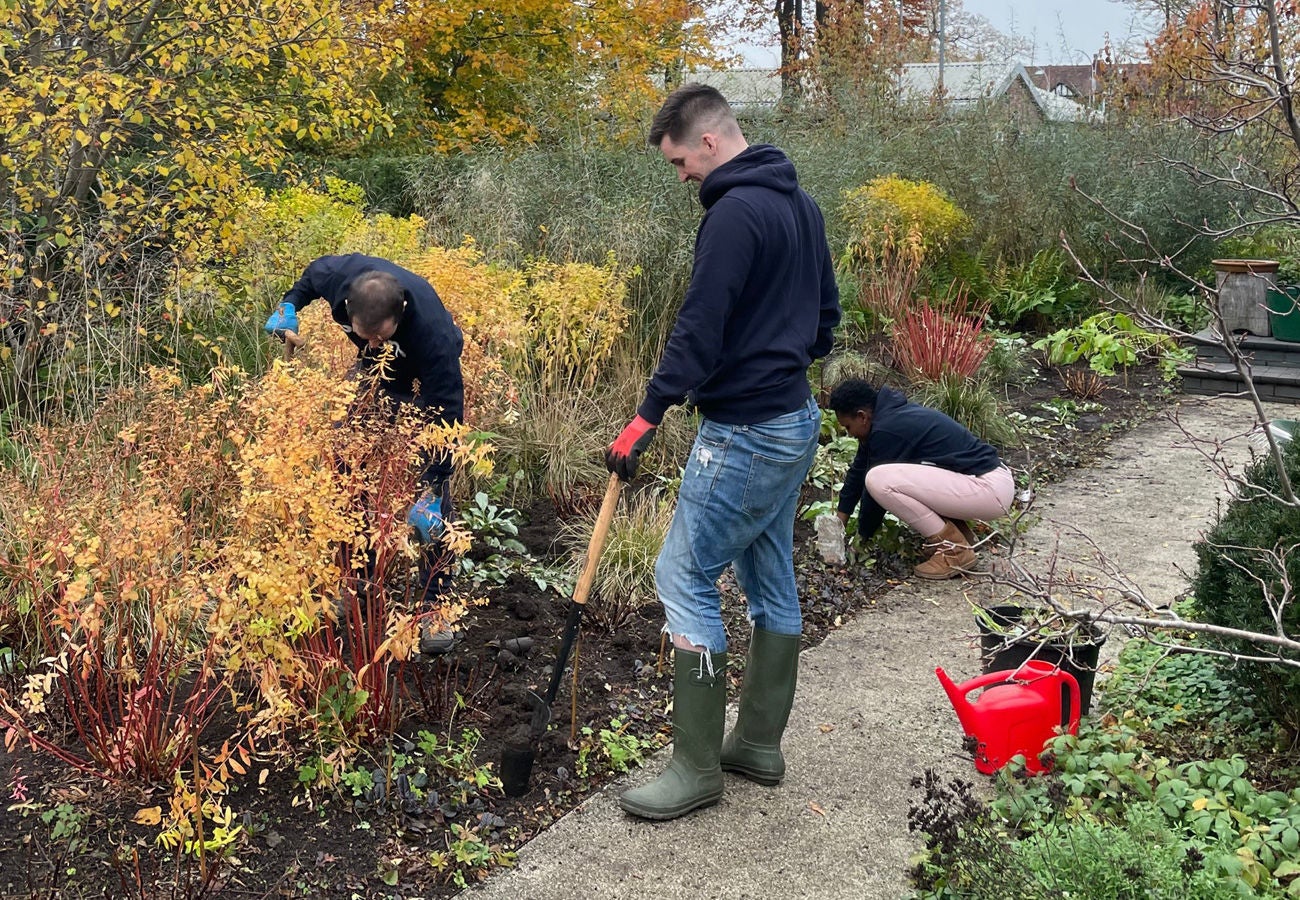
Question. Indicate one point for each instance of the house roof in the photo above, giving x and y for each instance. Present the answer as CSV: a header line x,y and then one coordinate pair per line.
x,y
965,84
968,84
1066,81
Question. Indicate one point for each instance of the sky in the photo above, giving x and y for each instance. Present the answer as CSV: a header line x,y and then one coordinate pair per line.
x,y
1061,33
1065,33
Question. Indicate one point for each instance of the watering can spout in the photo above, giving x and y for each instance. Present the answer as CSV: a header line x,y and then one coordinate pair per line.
x,y
962,706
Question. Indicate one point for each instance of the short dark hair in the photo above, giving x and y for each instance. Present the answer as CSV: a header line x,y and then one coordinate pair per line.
x,y
686,108
851,395
374,299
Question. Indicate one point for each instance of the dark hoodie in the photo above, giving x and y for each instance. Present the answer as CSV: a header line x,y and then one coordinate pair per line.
x,y
762,300
428,343
905,432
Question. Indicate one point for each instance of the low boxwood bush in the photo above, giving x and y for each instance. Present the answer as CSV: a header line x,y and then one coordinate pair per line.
x,y
1137,856
1239,581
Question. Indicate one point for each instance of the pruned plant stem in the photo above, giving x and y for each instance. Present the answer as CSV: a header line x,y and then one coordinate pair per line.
x,y
1102,595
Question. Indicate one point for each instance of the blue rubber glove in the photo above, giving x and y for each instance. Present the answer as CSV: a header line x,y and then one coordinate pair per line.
x,y
285,318
426,516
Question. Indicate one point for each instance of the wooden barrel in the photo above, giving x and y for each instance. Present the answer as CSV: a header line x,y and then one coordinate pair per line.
x,y
1243,286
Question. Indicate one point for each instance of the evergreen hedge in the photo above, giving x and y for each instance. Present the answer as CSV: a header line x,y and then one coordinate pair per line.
x,y
1232,574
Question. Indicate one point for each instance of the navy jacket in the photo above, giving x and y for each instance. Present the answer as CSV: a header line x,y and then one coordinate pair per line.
x,y
428,343
762,301
906,432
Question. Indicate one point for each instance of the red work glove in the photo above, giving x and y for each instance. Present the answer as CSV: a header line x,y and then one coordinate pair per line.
x,y
624,455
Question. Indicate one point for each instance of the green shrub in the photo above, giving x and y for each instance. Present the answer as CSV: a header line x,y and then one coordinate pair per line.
x,y
1106,341
1280,242
1043,292
384,179
960,271
1008,361
1137,858
1188,704
1235,571
970,853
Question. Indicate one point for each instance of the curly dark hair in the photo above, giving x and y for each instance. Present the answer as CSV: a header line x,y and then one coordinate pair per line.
x,y
851,395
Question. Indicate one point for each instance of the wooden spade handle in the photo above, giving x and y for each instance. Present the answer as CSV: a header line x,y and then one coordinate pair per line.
x,y
291,343
597,543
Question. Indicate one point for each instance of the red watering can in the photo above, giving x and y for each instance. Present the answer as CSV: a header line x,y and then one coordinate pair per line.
x,y
1018,712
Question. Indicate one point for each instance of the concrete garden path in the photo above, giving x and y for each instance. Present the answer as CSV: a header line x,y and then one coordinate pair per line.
x,y
869,714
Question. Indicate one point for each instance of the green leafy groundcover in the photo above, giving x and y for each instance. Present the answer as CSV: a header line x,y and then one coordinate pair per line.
x,y
1124,814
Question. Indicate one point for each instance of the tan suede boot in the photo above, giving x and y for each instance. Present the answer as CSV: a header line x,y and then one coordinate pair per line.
x,y
952,555
928,550
964,527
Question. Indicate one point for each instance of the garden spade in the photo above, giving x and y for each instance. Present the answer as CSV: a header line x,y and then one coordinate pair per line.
x,y
517,759
291,343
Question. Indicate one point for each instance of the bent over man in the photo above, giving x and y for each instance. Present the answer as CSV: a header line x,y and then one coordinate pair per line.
x,y
381,305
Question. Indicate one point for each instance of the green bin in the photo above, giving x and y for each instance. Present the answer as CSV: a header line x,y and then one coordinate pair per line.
x,y
1284,312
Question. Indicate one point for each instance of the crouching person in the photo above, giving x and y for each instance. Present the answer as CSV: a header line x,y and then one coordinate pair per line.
x,y
923,467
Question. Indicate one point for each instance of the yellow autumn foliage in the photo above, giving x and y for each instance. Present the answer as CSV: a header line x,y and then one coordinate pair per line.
x,y
892,216
480,298
574,313
188,535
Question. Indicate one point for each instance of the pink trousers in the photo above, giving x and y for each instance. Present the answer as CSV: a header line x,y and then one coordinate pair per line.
x,y
922,496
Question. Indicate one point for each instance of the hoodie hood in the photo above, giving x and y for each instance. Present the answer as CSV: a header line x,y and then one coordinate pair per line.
x,y
761,165
887,400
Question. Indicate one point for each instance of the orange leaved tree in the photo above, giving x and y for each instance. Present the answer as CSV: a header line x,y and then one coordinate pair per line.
x,y
502,71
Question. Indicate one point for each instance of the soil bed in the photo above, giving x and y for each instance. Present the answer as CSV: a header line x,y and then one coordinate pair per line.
x,y
337,844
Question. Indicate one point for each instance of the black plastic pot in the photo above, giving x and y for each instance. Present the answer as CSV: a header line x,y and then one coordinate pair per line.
x,y
1006,645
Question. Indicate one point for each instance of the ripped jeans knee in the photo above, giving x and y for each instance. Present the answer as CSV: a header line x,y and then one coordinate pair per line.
x,y
685,642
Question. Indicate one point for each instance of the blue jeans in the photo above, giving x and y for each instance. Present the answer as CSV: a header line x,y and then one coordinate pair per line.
x,y
737,505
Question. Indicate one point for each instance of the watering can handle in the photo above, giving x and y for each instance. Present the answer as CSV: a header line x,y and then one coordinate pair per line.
x,y
1000,677
1005,676
1076,703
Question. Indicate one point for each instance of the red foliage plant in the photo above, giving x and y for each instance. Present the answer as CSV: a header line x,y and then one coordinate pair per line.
x,y
931,341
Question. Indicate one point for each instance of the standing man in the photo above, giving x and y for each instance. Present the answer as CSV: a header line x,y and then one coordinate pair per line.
x,y
385,308
760,308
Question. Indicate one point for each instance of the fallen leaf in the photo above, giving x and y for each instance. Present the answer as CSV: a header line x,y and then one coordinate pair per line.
x,y
816,807
826,728
150,816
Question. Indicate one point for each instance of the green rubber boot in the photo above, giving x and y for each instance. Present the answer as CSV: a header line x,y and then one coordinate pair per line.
x,y
693,778
753,749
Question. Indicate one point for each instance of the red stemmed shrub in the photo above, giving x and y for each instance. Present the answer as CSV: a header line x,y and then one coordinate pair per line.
x,y
934,341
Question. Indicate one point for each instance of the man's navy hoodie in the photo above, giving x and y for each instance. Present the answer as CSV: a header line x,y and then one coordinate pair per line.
x,y
427,343
762,301
906,432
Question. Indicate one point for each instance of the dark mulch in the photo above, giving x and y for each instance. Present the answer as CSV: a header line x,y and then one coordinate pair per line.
x,y
332,844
